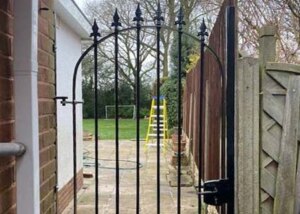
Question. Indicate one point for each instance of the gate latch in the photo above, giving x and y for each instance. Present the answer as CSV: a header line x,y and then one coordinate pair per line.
x,y
63,100
216,192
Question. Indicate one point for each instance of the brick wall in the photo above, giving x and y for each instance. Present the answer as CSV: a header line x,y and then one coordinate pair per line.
x,y
65,195
7,165
47,112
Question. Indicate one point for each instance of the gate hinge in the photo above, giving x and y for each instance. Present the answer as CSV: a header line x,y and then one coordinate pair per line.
x,y
216,192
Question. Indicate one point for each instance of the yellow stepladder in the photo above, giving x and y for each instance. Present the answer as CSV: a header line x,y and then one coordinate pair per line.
x,y
163,126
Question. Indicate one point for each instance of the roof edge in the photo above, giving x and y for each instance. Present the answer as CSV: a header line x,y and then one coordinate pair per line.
x,y
72,15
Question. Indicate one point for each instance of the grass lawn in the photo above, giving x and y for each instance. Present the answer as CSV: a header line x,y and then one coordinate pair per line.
x,y
127,128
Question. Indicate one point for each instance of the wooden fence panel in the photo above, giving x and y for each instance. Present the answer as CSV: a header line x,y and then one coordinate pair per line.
x,y
280,138
212,160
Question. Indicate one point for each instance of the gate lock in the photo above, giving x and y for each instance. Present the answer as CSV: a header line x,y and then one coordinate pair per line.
x,y
216,192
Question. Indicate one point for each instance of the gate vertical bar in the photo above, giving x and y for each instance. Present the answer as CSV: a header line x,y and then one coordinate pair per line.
x,y
95,35
179,24
158,20
203,33
74,152
138,20
116,24
230,26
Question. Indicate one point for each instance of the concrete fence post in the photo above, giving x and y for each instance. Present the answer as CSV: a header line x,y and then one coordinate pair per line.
x,y
247,136
267,45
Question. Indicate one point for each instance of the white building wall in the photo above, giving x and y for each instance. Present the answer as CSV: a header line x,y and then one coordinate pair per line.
x,y
69,48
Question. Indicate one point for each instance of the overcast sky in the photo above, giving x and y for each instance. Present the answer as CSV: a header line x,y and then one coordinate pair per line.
x,y
80,3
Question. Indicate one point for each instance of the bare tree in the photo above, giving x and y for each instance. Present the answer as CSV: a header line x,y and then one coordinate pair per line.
x,y
194,10
284,14
127,40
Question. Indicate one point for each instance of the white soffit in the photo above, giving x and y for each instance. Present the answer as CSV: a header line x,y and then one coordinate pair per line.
x,y
70,13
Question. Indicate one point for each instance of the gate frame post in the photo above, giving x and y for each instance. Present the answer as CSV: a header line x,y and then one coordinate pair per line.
x,y
230,103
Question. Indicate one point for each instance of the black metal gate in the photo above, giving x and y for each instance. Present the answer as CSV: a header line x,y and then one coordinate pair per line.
x,y
217,192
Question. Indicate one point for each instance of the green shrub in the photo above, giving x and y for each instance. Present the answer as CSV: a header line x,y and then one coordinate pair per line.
x,y
144,112
169,90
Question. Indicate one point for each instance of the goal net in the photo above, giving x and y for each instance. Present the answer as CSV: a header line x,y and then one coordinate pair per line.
x,y
125,111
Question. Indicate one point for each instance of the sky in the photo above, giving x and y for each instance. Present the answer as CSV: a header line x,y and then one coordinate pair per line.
x,y
80,3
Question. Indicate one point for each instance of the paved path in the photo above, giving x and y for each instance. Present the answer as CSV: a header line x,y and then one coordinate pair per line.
x,y
128,182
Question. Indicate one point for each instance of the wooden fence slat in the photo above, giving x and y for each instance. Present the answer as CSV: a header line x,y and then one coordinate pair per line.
x,y
267,124
273,107
264,196
292,69
284,201
266,161
268,182
280,77
271,145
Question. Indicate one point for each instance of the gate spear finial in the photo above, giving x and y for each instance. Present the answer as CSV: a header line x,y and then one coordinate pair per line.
x,y
116,20
180,19
159,18
203,31
95,29
138,16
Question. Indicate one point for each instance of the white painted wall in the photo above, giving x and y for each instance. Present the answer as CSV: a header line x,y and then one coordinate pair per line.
x,y
69,48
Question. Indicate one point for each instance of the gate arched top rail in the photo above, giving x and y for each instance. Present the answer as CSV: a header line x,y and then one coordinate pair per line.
x,y
101,40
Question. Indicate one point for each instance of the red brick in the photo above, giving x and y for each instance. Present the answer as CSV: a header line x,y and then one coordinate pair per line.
x,y
6,111
7,199
48,186
6,67
6,89
46,107
47,201
51,209
43,26
46,90
47,138
5,45
45,44
47,3
43,58
46,14
7,132
65,195
48,170
46,75
6,23
12,210
7,164
6,161
7,6
7,178
46,123
47,155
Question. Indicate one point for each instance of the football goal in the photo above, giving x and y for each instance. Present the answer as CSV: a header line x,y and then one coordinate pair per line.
x,y
125,111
